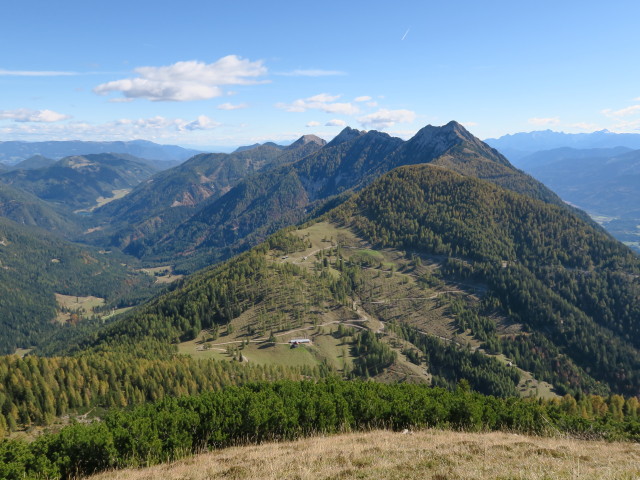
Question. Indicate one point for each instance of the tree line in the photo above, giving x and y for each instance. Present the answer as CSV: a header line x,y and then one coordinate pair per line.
x,y
257,412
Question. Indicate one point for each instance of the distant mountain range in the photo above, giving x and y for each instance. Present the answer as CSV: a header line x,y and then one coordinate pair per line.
x,y
215,205
605,182
519,145
81,181
164,156
154,209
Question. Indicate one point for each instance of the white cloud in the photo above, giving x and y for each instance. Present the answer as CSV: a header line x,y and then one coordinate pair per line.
x,y
323,101
27,115
469,124
623,112
231,106
313,123
541,122
34,73
312,72
159,123
158,129
384,118
186,81
201,123
625,126
335,123
364,98
121,100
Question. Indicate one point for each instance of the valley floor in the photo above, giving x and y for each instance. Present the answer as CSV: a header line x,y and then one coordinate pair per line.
x,y
428,454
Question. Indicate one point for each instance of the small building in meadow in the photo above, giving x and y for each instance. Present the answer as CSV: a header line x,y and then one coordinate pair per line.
x,y
298,341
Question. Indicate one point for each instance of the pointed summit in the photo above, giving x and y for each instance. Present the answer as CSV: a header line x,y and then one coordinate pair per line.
x,y
305,139
346,135
433,142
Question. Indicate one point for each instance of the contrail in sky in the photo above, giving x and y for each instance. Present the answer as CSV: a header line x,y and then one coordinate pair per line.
x,y
405,34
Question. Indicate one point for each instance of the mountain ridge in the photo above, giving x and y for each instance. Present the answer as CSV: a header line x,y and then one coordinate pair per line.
x,y
518,145
12,152
349,162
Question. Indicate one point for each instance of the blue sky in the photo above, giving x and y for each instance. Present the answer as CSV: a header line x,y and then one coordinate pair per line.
x,y
208,73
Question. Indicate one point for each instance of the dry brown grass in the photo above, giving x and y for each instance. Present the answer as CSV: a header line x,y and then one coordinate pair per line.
x,y
429,454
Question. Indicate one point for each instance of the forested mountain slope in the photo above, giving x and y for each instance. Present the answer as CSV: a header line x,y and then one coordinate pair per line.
x,y
27,209
35,265
157,206
79,182
572,287
261,204
31,163
482,265
603,182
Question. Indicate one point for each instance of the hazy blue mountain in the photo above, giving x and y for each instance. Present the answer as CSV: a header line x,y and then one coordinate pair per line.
x,y
548,157
519,145
164,155
603,182
31,163
244,148
78,182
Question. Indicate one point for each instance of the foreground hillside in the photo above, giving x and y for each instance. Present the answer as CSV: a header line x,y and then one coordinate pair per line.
x,y
423,454
174,428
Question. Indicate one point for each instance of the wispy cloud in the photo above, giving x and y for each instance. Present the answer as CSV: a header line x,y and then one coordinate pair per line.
x,y
384,118
35,73
159,122
313,123
201,123
623,112
36,116
324,101
363,98
335,123
312,72
187,81
541,122
231,106
158,128
589,127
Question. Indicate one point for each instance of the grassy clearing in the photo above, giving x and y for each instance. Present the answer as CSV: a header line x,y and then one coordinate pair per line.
x,y
21,352
100,201
82,305
430,454
162,274
325,347
73,301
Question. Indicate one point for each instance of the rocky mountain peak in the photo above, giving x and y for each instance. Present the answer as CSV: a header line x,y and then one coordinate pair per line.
x,y
346,135
305,139
433,142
